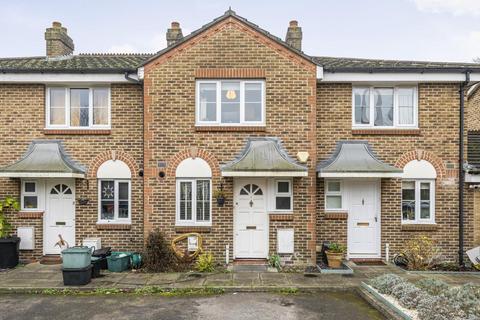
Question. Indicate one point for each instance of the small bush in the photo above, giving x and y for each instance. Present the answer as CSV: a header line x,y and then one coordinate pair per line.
x,y
408,295
274,261
466,297
433,286
439,308
421,253
206,262
158,255
385,283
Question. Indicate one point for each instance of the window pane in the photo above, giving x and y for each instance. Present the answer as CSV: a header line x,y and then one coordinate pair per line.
x,y
123,190
57,106
406,106
282,203
334,202
123,209
230,102
79,107
100,106
107,210
208,102
408,200
29,187
424,209
408,210
185,200
362,105
30,202
333,186
253,102
283,187
107,190
408,190
203,200
424,191
383,100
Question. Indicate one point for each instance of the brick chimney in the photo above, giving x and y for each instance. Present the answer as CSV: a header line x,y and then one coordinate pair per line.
x,y
294,35
174,34
58,41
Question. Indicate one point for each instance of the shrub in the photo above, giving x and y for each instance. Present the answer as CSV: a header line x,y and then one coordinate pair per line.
x,y
385,283
439,308
421,253
433,286
337,248
408,295
158,255
466,297
274,261
206,262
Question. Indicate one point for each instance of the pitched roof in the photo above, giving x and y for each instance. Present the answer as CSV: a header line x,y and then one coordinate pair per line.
x,y
81,63
336,64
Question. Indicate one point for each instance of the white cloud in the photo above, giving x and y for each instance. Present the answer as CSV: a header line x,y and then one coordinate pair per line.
x,y
456,7
123,48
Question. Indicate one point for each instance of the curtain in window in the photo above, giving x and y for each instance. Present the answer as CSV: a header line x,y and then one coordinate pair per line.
x,y
408,200
107,193
57,106
253,102
383,101
230,102
79,107
362,105
203,200
405,106
100,106
208,102
185,200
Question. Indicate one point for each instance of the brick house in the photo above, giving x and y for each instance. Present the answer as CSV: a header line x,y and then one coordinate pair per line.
x,y
304,149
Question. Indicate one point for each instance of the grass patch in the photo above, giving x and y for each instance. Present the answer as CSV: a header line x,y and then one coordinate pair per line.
x,y
142,291
288,291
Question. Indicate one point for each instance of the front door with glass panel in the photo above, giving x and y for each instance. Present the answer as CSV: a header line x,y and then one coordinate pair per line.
x,y
59,220
250,219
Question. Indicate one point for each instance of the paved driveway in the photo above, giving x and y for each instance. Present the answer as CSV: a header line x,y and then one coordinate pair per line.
x,y
255,306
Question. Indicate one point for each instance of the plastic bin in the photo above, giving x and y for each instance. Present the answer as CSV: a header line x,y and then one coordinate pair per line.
x,y
77,276
119,261
76,257
97,264
102,253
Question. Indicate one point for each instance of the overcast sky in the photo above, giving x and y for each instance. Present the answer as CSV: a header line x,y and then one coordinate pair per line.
x,y
443,30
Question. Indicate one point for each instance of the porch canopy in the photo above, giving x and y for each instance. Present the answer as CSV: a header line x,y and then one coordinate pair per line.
x,y
263,157
44,159
355,159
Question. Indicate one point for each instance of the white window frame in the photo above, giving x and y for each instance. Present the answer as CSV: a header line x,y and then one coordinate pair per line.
x,y
396,109
419,220
219,103
334,193
193,221
276,194
29,194
116,219
67,125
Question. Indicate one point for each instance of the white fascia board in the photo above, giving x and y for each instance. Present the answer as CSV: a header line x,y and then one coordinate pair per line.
x,y
264,174
319,72
41,175
396,77
360,174
62,78
472,178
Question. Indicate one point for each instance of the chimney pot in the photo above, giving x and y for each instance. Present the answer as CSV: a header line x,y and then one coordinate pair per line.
x,y
57,41
174,34
294,35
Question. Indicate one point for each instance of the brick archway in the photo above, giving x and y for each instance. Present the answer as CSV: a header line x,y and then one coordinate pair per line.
x,y
420,154
192,153
112,155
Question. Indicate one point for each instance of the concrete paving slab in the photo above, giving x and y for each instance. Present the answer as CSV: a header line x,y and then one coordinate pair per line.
x,y
163,278
246,279
274,279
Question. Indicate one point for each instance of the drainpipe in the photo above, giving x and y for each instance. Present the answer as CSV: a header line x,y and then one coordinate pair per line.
x,y
461,172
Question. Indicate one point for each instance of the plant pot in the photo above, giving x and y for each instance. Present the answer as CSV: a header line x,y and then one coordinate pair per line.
x,y
334,259
9,251
220,201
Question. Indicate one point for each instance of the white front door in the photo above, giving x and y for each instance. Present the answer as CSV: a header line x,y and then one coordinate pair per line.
x,y
250,219
59,220
364,219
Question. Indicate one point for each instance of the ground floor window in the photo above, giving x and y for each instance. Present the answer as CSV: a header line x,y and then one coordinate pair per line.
x,y
194,201
418,201
114,198
333,195
29,200
283,195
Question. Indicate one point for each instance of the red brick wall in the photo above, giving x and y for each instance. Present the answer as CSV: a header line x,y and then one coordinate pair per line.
x,y
170,118
24,120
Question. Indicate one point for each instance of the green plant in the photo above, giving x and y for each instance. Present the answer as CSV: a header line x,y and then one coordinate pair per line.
x,y
158,255
5,226
421,253
336,248
274,261
432,286
205,262
219,193
385,283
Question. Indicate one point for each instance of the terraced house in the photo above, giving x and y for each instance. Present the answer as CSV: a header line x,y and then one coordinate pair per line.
x,y
302,149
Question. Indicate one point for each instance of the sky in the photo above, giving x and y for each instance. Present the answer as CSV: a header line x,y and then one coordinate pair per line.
x,y
434,30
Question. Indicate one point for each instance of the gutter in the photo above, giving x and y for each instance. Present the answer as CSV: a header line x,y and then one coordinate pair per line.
x,y
461,171
128,78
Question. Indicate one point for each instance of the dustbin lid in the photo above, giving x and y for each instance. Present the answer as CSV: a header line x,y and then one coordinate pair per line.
x,y
74,250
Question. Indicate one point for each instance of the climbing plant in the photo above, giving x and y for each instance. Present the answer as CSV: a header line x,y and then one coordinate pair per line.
x,y
5,226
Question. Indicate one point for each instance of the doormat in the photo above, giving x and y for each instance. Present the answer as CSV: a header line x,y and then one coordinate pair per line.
x,y
369,262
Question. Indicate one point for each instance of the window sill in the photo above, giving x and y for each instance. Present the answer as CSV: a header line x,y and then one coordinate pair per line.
x,y
277,216
24,214
419,227
114,226
386,132
77,131
230,128
336,215
199,229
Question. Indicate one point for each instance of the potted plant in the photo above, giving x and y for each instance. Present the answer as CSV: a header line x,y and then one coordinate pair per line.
x,y
9,245
335,254
219,194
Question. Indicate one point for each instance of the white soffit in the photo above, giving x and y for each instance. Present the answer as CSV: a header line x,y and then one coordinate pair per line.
x,y
63,78
193,168
114,169
396,77
416,169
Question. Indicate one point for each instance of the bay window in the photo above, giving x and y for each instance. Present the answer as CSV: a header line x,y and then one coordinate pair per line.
x,y
385,107
230,102
78,108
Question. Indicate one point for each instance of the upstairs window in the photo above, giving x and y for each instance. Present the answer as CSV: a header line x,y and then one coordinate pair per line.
x,y
385,107
78,108
230,102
